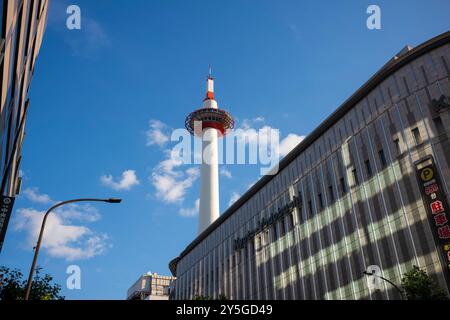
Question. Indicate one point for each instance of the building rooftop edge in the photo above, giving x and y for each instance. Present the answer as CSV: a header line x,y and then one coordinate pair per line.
x,y
390,67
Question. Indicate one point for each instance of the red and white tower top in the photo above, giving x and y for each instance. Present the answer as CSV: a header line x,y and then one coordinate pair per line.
x,y
209,86
210,115
209,123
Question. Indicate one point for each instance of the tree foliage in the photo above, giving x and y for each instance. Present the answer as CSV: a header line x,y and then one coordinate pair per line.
x,y
418,285
13,286
220,297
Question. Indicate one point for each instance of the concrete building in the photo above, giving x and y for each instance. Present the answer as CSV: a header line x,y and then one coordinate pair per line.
x,y
22,29
151,286
368,187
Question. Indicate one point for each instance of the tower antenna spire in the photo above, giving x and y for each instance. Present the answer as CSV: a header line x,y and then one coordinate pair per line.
x,y
210,71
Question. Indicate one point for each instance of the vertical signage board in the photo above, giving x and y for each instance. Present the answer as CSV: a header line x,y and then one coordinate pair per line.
x,y
6,205
438,212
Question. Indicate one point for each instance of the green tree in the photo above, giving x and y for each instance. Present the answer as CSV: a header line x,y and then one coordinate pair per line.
x,y
220,297
13,286
418,285
196,297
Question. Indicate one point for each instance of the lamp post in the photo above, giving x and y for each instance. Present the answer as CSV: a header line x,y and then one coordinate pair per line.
x,y
387,280
41,233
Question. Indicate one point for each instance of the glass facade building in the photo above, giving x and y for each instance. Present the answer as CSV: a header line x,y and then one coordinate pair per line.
x,y
22,27
346,198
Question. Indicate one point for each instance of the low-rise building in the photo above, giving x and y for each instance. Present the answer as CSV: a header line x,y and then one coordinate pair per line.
x,y
151,286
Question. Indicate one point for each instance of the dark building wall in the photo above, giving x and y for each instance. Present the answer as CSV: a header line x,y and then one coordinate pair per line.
x,y
23,23
22,27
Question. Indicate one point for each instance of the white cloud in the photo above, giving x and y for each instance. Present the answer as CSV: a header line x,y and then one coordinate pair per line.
x,y
128,180
156,134
171,182
169,164
289,143
249,133
170,178
79,212
249,123
263,137
62,238
226,173
249,128
251,184
33,194
191,212
234,197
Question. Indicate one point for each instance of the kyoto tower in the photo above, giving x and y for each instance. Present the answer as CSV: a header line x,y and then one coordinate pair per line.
x,y
209,123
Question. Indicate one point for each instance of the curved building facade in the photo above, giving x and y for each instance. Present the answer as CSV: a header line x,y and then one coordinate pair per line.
x,y
367,190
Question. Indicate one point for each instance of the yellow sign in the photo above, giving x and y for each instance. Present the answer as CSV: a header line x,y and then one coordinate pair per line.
x,y
426,174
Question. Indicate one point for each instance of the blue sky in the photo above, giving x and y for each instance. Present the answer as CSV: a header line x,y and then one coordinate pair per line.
x,y
104,97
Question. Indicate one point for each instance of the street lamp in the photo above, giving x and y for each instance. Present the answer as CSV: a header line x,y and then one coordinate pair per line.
x,y
41,233
387,280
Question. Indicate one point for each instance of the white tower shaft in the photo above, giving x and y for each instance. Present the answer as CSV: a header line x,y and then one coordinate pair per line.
x,y
209,180
209,171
